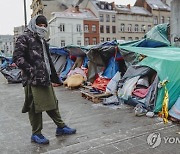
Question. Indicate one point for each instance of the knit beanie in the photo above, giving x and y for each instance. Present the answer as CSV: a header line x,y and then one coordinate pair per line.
x,y
41,20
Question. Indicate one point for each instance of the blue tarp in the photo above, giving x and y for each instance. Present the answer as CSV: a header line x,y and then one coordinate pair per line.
x,y
59,51
69,64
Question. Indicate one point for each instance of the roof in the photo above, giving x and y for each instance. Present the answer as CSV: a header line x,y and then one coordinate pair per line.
x,y
73,13
158,4
103,6
132,10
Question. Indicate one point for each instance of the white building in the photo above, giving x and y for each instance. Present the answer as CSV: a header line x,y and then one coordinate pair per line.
x,y
67,27
18,31
7,44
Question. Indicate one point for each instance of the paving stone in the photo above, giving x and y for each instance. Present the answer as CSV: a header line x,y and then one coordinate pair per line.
x,y
108,149
122,146
100,129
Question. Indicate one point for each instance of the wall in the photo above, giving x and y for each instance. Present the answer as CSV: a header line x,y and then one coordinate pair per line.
x,y
175,23
127,19
92,34
70,35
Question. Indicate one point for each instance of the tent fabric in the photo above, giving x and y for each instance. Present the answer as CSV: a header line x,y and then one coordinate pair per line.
x,y
99,57
160,56
60,63
101,83
159,33
58,51
75,50
12,74
175,110
147,42
135,73
111,69
67,68
165,61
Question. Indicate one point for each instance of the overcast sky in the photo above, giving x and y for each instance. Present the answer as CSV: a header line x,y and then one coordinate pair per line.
x,y
12,13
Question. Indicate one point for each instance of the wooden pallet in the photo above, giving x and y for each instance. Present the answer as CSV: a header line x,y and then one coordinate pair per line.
x,y
95,98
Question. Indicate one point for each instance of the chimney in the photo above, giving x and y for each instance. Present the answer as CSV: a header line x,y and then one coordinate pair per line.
x,y
164,1
77,8
129,6
113,5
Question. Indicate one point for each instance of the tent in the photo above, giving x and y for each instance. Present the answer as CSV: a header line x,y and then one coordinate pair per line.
x,y
100,57
67,58
163,58
59,58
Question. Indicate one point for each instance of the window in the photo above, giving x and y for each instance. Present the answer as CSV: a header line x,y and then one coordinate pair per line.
x,y
86,41
107,29
102,6
113,18
136,28
129,28
93,28
79,42
155,20
107,18
86,28
143,28
122,27
109,7
101,18
101,29
108,39
162,19
102,39
130,39
136,38
61,28
149,27
63,43
113,29
94,41
78,28
168,19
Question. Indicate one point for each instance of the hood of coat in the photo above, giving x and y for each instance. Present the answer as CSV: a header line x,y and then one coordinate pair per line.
x,y
35,29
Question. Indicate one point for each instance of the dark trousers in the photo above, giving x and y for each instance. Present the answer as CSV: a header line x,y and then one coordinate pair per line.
x,y
37,122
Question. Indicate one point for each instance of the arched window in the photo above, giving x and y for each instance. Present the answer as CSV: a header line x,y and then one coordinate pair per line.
x,y
162,19
136,28
129,27
155,20
122,28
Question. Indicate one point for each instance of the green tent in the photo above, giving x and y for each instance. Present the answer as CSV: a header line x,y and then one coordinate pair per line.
x,y
161,57
166,62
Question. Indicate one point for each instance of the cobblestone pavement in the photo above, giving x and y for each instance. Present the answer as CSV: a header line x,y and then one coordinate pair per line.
x,y
100,129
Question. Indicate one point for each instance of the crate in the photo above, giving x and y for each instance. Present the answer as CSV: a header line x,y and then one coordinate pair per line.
x,y
95,98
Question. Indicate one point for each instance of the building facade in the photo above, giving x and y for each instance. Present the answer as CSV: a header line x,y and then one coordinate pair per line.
x,y
107,19
46,7
175,23
74,26
91,32
132,22
120,22
158,8
7,44
18,31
